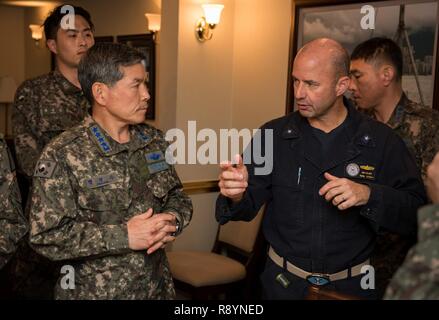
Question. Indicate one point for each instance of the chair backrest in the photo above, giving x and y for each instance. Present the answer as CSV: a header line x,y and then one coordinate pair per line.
x,y
242,234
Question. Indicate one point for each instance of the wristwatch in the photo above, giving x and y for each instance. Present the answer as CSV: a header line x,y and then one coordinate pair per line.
x,y
177,228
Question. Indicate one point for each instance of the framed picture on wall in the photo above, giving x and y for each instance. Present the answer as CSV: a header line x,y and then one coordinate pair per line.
x,y
145,44
104,39
413,24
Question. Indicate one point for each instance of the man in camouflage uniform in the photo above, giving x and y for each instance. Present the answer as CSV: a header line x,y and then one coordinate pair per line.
x,y
418,276
376,72
52,103
104,198
44,107
12,223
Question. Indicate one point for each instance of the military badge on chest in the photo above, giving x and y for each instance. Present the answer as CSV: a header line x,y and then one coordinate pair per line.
x,y
156,161
362,171
352,169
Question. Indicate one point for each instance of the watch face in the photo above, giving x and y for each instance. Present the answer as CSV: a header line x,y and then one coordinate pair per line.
x,y
352,169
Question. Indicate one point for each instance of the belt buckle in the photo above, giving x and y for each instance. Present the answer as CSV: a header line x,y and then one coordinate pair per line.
x,y
318,279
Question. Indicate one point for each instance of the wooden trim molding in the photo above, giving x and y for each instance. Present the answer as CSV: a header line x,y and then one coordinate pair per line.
x,y
197,187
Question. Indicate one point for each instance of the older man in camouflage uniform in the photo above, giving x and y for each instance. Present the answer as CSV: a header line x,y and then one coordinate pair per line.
x,y
418,276
376,69
105,200
12,223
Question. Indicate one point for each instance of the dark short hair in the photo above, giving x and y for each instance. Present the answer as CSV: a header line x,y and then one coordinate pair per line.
x,y
102,63
378,50
53,20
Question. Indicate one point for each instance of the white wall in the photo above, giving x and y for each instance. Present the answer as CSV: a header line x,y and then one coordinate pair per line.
x,y
12,36
238,79
11,54
261,51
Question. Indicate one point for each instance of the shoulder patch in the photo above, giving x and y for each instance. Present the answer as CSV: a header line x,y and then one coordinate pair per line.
x,y
45,169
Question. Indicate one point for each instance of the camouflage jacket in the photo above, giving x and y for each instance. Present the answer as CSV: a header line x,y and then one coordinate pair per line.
x,y
418,126
86,187
13,225
418,278
44,107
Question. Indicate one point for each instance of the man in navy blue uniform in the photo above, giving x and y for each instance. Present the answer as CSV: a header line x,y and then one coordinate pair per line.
x,y
337,178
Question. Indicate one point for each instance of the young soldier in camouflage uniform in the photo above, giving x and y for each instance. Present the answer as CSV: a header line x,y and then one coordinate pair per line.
x,y
105,200
12,223
52,103
376,71
418,276
44,107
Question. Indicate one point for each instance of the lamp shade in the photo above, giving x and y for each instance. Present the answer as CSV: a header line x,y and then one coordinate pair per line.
x,y
154,21
7,89
212,12
37,32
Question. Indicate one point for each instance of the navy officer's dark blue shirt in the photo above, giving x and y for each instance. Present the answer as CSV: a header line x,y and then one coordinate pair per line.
x,y
300,224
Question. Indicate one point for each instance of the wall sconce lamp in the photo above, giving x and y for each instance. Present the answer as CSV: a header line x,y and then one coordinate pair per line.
x,y
154,21
204,26
37,33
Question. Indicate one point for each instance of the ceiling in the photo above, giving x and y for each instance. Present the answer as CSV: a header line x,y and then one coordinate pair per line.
x,y
27,3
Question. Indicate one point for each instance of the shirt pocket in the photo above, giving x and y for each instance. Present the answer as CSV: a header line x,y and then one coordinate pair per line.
x,y
288,193
107,203
57,119
161,183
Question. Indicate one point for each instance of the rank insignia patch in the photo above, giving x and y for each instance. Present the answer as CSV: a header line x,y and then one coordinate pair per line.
x,y
100,138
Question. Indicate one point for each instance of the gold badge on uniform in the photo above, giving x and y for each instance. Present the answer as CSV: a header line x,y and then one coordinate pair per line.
x,y
367,172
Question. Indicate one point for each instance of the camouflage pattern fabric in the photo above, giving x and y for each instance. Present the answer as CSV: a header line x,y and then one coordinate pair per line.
x,y
418,278
13,225
86,187
418,126
44,107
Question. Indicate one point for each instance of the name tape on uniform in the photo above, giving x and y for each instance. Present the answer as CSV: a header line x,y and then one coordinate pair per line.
x,y
157,167
102,180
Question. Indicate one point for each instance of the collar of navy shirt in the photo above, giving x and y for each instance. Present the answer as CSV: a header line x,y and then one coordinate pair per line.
x,y
356,132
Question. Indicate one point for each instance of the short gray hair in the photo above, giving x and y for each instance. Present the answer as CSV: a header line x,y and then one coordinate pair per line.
x,y
102,63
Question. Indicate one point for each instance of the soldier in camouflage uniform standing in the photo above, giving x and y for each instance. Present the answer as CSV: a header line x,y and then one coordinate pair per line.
x,y
13,226
376,72
105,200
44,107
418,276
52,103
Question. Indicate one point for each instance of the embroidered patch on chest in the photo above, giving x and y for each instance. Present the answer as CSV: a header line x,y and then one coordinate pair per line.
x,y
102,180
